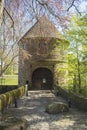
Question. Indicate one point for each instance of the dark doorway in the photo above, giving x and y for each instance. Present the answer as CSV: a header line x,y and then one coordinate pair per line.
x,y
42,78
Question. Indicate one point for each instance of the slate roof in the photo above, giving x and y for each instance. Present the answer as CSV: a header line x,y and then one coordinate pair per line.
x,y
43,28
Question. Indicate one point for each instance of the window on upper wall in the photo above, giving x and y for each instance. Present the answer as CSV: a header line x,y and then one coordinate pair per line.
x,y
24,46
0,61
43,48
63,52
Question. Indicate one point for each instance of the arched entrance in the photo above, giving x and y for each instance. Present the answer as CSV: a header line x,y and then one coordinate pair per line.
x,y
42,78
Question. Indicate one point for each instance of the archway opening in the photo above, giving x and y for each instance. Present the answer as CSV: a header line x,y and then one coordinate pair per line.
x,y
42,78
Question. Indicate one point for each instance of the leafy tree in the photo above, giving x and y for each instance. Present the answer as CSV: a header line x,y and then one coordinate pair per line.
x,y
78,48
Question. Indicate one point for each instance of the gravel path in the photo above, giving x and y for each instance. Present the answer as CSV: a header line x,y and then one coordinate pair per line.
x,y
32,108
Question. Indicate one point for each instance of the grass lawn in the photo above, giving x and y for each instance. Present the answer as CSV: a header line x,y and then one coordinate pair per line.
x,y
9,80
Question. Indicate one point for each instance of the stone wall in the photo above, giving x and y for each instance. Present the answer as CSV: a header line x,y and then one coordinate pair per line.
x,y
61,74
44,53
77,100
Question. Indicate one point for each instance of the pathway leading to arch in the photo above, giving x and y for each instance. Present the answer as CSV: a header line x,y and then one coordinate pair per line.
x,y
32,108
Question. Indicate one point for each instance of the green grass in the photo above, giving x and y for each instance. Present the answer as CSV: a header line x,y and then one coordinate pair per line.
x,y
9,80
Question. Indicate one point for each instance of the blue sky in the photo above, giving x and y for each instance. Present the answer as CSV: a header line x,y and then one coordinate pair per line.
x,y
83,5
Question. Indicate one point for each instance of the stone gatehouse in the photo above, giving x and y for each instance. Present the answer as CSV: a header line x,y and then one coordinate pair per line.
x,y
43,56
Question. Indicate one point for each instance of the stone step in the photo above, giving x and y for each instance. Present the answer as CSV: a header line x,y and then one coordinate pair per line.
x,y
39,91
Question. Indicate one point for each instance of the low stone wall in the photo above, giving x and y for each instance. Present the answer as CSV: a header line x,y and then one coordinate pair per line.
x,y
79,101
64,93
10,97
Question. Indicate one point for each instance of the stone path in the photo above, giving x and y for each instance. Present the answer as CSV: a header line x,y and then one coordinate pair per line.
x,y
32,108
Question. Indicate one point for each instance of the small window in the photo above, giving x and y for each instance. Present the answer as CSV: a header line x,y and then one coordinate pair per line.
x,y
61,51
44,80
24,46
0,61
43,48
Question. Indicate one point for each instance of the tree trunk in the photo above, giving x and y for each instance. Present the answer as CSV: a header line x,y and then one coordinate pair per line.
x,y
1,10
74,83
78,69
79,77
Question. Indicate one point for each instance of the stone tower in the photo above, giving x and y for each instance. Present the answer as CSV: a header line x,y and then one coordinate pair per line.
x,y
43,56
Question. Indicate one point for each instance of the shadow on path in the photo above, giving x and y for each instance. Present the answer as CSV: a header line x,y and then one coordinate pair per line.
x,y
32,108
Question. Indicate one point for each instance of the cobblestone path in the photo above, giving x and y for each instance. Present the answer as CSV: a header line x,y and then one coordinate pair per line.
x,y
32,108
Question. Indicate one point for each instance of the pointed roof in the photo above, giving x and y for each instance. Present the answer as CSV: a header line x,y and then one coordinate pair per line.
x,y
43,28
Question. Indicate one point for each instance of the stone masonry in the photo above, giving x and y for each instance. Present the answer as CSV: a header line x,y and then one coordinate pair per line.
x,y
43,47
32,109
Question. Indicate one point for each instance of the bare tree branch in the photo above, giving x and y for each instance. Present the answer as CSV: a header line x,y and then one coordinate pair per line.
x,y
4,55
46,6
71,5
1,10
12,21
77,9
6,66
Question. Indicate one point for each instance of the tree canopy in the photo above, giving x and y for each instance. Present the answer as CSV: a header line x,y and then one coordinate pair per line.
x,y
78,52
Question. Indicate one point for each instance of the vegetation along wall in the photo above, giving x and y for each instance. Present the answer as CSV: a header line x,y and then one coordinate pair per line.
x,y
76,100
